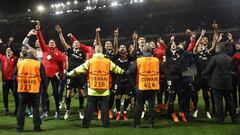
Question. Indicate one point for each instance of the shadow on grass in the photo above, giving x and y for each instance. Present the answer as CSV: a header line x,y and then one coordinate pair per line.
x,y
8,126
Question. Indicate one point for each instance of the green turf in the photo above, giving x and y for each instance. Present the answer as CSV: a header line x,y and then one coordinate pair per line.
x,y
199,126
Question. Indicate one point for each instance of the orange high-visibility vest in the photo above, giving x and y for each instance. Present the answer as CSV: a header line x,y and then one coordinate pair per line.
x,y
28,76
99,73
148,76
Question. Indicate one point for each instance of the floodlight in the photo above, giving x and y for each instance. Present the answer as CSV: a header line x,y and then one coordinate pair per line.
x,y
40,8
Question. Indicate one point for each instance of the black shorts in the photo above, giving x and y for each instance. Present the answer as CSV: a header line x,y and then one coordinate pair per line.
x,y
122,91
76,82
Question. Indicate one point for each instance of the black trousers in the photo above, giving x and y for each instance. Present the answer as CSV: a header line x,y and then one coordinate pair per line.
x,y
34,101
175,88
142,96
201,83
91,105
188,89
7,85
226,94
43,93
62,87
163,90
236,91
55,87
111,99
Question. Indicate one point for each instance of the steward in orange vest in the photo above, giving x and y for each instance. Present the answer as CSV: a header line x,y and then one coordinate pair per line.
x,y
99,82
30,75
99,74
147,72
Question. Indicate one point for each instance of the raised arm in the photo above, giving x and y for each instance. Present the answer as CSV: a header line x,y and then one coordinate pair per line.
x,y
10,41
16,49
41,40
216,39
59,31
198,41
97,38
26,40
215,27
87,49
230,45
72,37
230,38
116,34
134,49
192,42
172,39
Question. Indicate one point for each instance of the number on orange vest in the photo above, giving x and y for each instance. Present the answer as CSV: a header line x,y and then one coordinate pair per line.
x,y
148,73
99,74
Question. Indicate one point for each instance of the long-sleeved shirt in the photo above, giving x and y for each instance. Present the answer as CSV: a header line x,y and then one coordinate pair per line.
x,y
16,49
36,52
173,69
160,51
52,58
8,66
219,68
191,45
87,49
4,46
84,69
202,60
236,64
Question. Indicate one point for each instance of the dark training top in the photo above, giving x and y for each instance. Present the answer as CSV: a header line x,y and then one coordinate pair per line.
x,y
201,61
122,80
76,57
